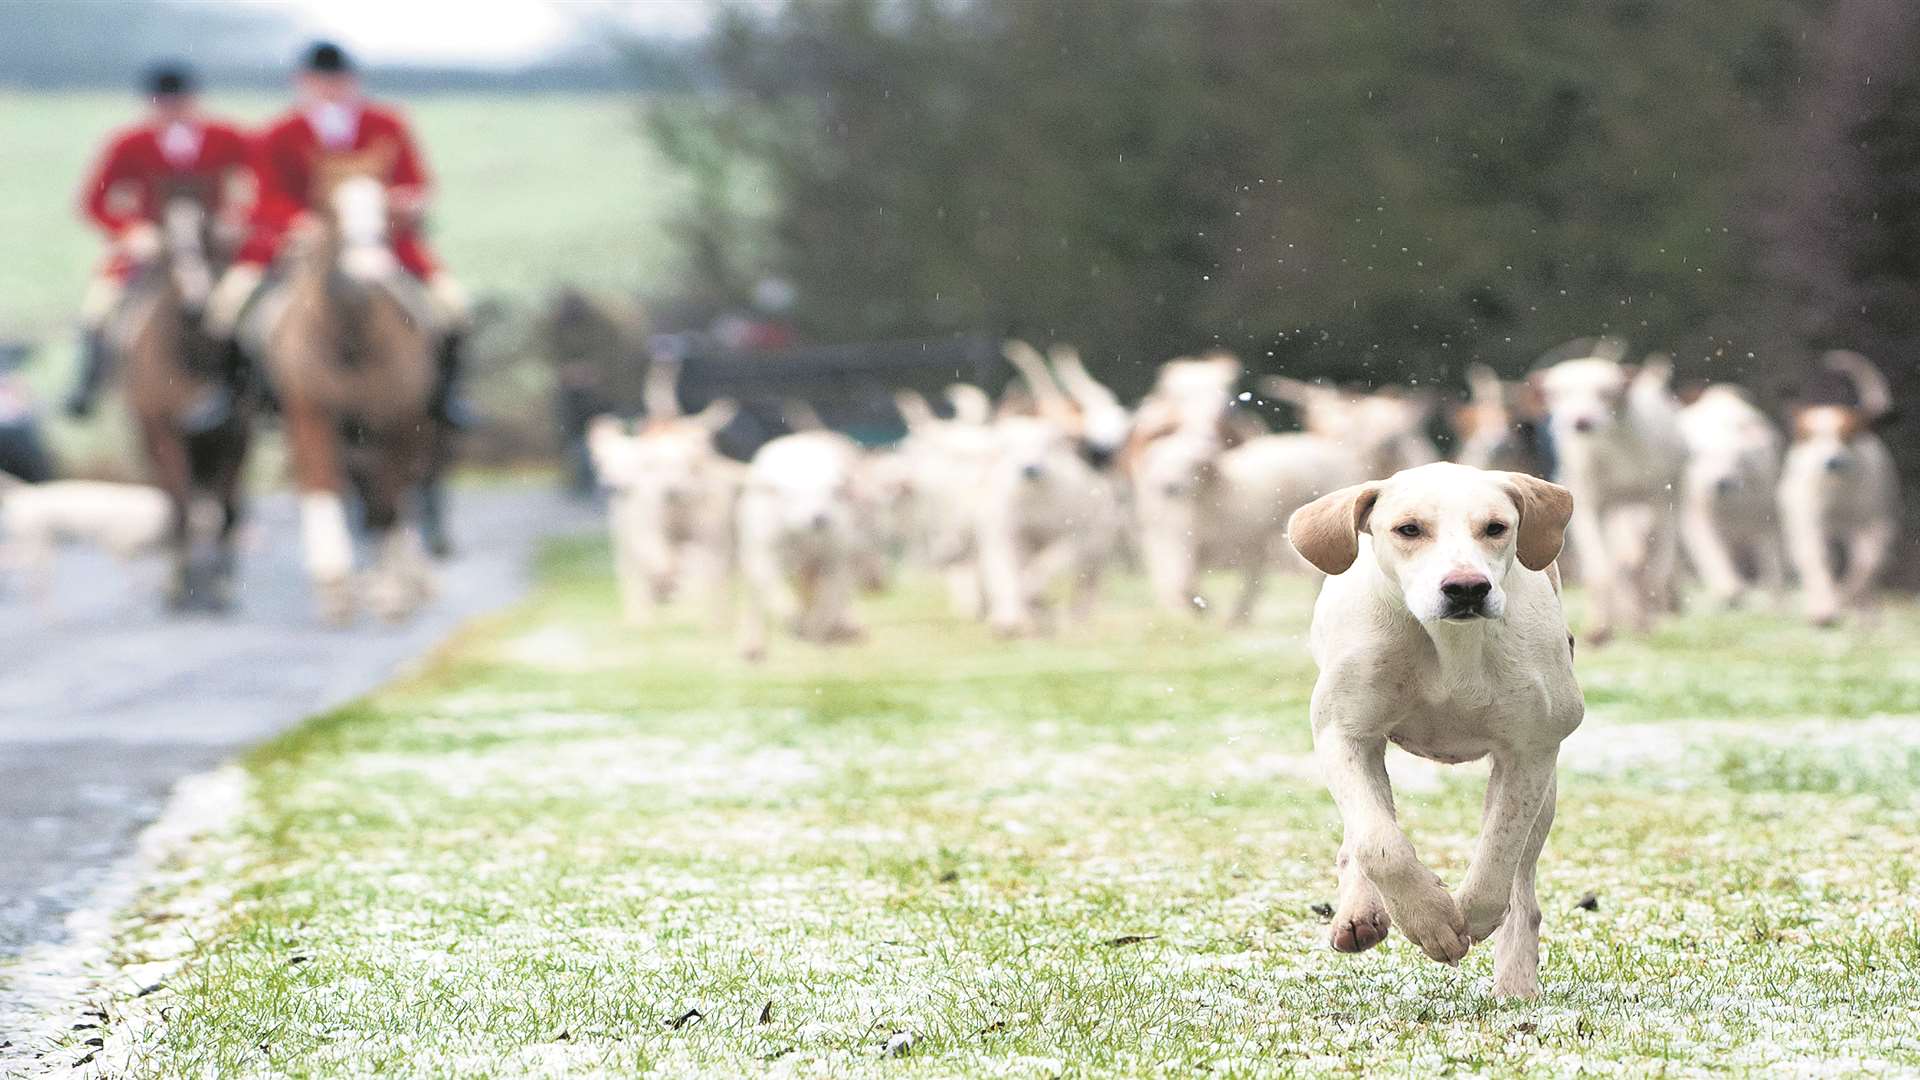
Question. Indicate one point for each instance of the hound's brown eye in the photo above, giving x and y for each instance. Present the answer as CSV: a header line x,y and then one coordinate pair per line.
x,y
1409,530
1496,528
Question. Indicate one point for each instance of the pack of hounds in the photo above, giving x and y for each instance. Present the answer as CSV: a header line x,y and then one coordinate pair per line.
x,y
1026,504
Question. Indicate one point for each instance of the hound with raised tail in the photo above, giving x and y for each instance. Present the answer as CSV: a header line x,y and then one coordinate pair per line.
x,y
1440,630
671,497
1839,489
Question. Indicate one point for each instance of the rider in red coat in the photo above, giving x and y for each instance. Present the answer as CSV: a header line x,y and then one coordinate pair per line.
x,y
332,117
174,149
286,157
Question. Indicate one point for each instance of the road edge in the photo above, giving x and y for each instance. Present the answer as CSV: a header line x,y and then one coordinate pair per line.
x,y
60,1002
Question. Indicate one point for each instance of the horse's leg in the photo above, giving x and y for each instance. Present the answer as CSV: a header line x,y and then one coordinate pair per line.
x,y
402,579
172,470
225,481
433,497
327,544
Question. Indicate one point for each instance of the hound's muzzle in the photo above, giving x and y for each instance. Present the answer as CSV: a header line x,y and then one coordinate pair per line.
x,y
1466,596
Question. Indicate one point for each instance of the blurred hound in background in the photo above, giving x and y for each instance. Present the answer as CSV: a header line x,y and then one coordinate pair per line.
x,y
1839,490
1618,448
1727,517
671,497
804,512
124,520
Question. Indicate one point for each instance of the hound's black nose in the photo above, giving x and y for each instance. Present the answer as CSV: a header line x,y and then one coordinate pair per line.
x,y
1466,594
1837,464
1583,425
1726,485
1030,472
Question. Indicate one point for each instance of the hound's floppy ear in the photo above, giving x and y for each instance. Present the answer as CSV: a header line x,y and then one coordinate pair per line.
x,y
1326,532
1544,510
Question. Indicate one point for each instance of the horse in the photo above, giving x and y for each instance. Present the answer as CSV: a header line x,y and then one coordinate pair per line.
x,y
350,342
172,368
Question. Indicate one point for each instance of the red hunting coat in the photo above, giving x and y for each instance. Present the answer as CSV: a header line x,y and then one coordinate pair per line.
x,y
286,160
134,176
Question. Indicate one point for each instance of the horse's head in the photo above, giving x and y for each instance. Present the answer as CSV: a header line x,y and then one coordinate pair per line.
x,y
186,237
183,227
352,199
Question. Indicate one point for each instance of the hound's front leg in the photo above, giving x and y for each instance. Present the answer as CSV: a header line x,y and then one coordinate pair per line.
x,y
1361,921
1520,785
1516,945
1004,579
1866,553
1417,902
768,596
1807,548
1663,560
1711,556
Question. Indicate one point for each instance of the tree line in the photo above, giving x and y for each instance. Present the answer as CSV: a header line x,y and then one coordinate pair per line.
x,y
1376,191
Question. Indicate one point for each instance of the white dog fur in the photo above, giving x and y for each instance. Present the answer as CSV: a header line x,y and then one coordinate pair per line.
x,y
1440,630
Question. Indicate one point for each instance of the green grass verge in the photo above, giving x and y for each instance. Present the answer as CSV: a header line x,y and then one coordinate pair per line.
x,y
572,847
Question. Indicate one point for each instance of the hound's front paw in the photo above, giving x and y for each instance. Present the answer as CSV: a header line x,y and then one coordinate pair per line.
x,y
1009,628
1360,928
1484,908
1431,920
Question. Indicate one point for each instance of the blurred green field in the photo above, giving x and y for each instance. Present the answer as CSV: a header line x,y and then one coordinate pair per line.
x,y
534,191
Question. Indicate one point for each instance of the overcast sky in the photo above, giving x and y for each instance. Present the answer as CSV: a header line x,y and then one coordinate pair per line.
x,y
481,32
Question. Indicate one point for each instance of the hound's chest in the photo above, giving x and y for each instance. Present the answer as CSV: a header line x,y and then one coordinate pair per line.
x,y
1447,731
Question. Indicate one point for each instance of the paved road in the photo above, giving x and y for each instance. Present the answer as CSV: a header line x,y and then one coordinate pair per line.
x,y
105,704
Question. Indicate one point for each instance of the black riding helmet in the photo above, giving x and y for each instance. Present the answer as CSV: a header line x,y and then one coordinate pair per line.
x,y
326,58
170,79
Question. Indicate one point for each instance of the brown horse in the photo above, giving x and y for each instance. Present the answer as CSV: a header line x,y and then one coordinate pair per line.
x,y
350,343
172,368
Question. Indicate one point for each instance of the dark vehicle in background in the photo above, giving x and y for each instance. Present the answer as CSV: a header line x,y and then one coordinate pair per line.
x,y
23,453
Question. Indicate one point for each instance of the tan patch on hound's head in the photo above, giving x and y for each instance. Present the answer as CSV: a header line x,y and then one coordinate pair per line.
x,y
1842,422
1471,421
